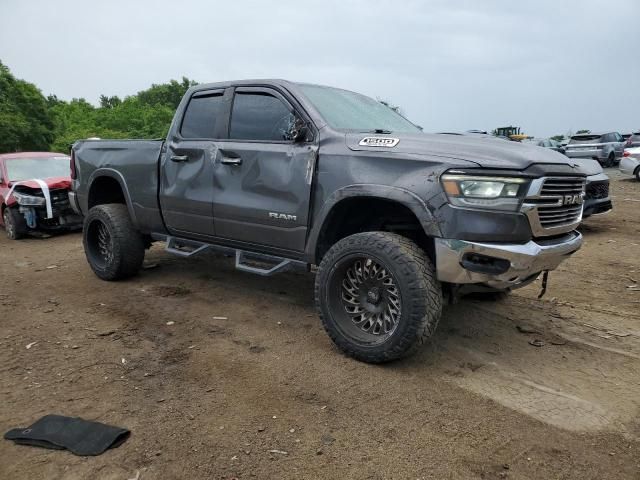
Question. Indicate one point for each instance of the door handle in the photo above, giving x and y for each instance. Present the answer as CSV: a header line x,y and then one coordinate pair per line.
x,y
179,158
231,160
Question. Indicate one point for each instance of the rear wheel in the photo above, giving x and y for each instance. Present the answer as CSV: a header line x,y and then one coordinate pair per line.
x,y
14,223
113,246
638,174
378,296
611,160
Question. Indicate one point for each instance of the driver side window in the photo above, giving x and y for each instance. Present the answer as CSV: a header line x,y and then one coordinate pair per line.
x,y
262,117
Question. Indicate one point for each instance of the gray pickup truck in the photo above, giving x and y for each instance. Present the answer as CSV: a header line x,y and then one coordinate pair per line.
x,y
285,175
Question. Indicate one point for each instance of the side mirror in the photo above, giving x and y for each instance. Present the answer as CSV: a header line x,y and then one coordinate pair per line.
x,y
299,131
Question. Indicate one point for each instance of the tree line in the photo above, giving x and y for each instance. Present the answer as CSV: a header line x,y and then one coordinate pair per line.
x,y
29,121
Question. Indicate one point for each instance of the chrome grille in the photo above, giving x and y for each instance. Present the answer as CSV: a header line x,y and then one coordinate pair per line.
x,y
556,186
558,216
554,204
559,213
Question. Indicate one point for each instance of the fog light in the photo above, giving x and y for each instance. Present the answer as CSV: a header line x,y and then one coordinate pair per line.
x,y
475,262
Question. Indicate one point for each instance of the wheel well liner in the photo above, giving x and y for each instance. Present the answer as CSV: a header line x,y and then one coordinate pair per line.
x,y
108,186
360,213
105,190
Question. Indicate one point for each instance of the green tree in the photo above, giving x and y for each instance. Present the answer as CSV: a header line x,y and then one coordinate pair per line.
x,y
25,120
557,138
168,94
29,121
109,102
580,132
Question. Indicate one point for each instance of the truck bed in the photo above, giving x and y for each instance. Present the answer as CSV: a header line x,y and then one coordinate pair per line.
x,y
130,162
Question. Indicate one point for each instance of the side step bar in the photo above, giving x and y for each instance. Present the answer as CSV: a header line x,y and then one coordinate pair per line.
x,y
282,264
269,264
184,248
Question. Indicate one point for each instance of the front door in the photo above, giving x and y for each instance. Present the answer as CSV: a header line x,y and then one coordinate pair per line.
x,y
186,172
262,177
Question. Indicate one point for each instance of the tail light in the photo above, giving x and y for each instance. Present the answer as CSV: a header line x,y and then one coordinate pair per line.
x,y
626,154
72,166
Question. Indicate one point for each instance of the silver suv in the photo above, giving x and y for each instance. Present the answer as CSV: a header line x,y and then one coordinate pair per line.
x,y
607,148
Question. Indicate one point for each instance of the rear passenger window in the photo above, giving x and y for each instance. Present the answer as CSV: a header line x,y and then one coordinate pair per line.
x,y
260,116
201,116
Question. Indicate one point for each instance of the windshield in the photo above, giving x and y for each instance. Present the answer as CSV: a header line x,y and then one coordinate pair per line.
x,y
42,167
344,110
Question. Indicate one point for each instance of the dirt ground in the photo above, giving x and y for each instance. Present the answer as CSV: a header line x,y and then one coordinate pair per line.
x,y
244,383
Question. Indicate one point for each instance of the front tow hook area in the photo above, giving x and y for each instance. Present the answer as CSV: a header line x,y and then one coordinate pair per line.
x,y
501,265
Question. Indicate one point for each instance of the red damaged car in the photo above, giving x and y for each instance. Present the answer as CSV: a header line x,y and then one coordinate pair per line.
x,y
34,190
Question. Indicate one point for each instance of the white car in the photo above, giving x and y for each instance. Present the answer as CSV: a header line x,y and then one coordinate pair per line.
x,y
630,163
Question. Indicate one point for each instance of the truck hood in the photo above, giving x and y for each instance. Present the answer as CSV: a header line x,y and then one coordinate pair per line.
x,y
487,152
589,167
52,183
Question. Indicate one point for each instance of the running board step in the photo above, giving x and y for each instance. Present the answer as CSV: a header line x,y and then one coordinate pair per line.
x,y
184,248
280,264
250,262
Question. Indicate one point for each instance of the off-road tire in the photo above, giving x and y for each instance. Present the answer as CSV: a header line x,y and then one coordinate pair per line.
x,y
15,225
419,291
125,245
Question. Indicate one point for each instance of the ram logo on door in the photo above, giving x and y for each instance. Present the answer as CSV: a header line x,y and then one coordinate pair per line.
x,y
282,216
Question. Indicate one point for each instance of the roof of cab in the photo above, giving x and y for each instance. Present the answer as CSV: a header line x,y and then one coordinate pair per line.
x,y
233,83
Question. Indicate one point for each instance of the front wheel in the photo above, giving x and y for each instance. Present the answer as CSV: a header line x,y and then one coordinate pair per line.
x,y
378,296
113,246
15,225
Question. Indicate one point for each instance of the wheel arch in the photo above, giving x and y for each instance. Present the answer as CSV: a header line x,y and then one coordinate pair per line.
x,y
375,201
107,185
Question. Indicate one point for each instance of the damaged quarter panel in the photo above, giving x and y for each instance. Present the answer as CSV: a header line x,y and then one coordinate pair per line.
x,y
133,164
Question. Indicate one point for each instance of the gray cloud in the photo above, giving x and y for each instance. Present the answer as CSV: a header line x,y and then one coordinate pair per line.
x,y
547,66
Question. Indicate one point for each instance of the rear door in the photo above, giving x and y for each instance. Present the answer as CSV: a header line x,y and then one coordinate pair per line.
x,y
262,177
186,173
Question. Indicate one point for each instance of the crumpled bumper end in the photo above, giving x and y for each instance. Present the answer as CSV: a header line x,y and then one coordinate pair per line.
x,y
501,266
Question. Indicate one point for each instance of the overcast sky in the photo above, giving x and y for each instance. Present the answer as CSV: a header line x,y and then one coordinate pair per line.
x,y
547,66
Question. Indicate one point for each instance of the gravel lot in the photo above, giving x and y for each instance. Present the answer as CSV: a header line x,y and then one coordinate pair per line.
x,y
245,384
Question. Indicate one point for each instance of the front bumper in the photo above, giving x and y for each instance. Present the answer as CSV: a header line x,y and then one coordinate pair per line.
x,y
596,207
597,200
501,266
73,200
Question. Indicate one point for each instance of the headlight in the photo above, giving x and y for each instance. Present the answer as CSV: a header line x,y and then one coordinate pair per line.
x,y
28,200
477,191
